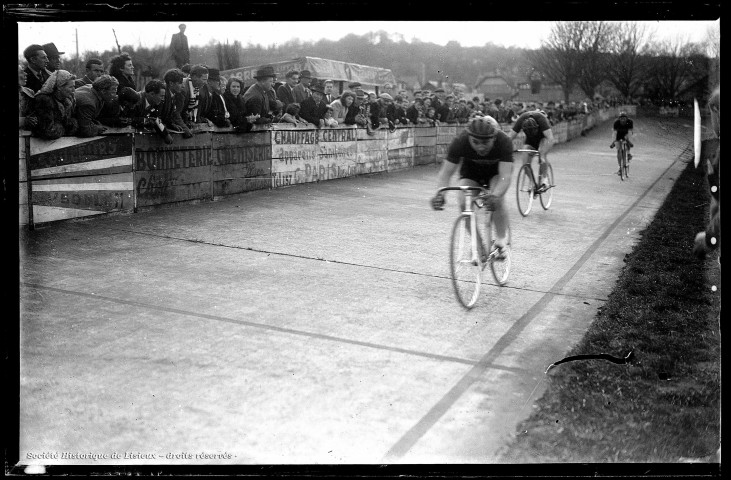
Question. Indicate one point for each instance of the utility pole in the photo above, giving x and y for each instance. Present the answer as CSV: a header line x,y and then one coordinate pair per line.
x,y
78,60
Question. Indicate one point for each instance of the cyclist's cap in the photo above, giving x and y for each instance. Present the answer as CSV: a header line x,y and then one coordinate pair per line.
x,y
483,126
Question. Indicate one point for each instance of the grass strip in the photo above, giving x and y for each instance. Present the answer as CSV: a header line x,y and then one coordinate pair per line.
x,y
666,403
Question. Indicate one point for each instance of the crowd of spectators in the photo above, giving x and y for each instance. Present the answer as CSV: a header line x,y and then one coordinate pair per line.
x,y
53,102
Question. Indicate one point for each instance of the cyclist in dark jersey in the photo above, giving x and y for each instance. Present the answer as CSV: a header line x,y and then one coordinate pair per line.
x,y
486,157
538,136
622,129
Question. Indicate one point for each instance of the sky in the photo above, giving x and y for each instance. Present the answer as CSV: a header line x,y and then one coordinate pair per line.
x,y
98,36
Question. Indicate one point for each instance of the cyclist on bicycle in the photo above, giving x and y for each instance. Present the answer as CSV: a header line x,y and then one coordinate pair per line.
x,y
486,157
622,130
538,136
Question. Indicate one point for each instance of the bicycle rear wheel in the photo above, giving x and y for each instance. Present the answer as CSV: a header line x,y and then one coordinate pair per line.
x,y
464,267
547,196
623,162
500,263
524,189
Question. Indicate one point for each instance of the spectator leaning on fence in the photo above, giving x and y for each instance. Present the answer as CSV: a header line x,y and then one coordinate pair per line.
x,y
94,70
213,106
234,98
54,107
36,70
256,98
146,114
342,106
25,102
188,100
285,92
169,110
313,108
90,101
117,112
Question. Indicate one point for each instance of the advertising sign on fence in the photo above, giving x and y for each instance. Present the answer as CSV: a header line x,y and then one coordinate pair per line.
x,y
77,177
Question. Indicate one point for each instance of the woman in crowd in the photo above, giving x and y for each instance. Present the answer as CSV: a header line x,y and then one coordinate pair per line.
x,y
234,98
341,106
25,102
292,115
54,106
121,68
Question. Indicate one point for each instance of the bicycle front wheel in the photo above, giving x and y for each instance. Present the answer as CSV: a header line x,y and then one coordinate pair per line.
x,y
524,189
547,196
500,262
464,264
626,163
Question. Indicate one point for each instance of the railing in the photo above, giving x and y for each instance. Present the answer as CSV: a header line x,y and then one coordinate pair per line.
x,y
123,171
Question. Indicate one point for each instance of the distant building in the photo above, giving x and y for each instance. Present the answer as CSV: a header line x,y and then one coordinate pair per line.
x,y
494,86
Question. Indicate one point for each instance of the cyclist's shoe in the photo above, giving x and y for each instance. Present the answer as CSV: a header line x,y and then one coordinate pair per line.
x,y
612,145
619,172
629,157
630,144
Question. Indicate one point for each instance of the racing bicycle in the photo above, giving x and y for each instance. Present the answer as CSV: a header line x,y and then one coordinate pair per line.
x,y
622,155
528,188
471,246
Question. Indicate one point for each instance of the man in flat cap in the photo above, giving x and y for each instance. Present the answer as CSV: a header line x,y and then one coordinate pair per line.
x,y
54,56
179,51
302,90
36,71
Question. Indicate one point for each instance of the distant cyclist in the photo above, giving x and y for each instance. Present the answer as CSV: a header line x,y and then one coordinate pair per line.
x,y
486,156
538,136
622,130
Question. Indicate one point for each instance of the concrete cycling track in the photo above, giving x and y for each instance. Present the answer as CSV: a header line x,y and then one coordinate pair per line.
x,y
317,323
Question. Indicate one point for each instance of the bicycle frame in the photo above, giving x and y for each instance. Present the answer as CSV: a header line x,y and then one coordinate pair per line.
x,y
468,211
532,153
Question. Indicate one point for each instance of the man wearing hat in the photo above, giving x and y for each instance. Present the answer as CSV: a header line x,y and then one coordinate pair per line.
x,y
357,115
212,106
313,108
438,99
179,51
90,102
256,98
36,71
383,111
302,90
54,56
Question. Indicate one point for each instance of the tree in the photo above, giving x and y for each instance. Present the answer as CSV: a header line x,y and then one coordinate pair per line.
x,y
559,57
229,56
675,65
593,55
627,64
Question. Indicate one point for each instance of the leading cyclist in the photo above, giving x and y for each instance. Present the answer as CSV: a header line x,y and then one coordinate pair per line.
x,y
486,156
538,136
622,130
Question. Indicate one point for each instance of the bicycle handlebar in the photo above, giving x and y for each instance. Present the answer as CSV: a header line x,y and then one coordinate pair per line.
x,y
465,188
